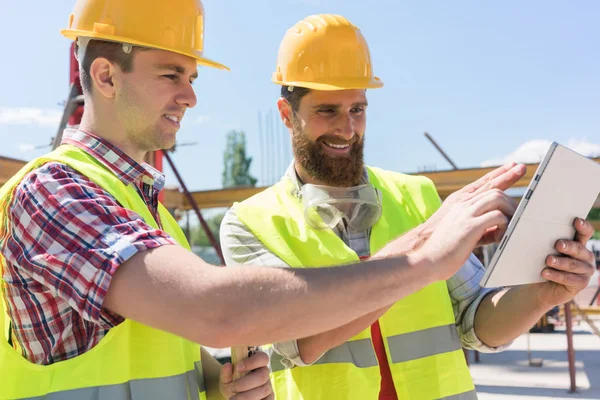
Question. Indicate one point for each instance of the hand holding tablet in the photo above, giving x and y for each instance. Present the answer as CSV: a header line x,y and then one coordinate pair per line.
x,y
564,188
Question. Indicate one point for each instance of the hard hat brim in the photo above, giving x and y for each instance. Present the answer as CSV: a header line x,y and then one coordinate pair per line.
x,y
200,59
338,84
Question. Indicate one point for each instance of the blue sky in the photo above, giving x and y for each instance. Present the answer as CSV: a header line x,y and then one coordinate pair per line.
x,y
489,80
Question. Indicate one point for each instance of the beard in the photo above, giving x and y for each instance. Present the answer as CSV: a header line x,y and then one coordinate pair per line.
x,y
344,171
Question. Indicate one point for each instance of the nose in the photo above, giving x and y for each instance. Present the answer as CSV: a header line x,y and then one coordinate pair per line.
x,y
186,96
346,127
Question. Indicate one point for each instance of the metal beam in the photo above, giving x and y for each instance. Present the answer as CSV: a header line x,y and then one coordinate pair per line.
x,y
189,197
442,152
211,198
446,183
73,100
9,167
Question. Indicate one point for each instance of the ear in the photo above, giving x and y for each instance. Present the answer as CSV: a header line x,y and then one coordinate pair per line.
x,y
285,112
101,74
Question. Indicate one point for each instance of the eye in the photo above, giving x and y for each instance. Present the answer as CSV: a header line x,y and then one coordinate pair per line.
x,y
357,110
171,77
326,111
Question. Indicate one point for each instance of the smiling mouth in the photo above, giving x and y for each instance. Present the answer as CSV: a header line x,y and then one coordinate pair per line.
x,y
337,146
173,118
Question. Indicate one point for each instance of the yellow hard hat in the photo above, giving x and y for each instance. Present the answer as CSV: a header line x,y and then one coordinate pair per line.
x,y
175,25
325,52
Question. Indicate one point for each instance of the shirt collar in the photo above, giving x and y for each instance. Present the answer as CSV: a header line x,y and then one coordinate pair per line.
x,y
124,167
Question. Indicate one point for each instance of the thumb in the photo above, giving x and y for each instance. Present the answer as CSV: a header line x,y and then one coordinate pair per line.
x,y
226,375
492,235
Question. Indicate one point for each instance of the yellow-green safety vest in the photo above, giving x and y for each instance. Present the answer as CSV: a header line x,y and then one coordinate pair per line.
x,y
133,361
419,332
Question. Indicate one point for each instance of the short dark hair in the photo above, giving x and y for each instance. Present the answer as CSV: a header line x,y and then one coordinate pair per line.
x,y
294,96
112,51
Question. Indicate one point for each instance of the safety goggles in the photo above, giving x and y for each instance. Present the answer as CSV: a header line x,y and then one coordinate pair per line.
x,y
326,206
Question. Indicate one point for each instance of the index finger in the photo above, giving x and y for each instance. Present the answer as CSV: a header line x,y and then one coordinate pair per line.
x,y
501,178
258,360
473,186
226,374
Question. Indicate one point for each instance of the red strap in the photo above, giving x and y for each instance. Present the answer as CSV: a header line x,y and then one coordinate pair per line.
x,y
387,390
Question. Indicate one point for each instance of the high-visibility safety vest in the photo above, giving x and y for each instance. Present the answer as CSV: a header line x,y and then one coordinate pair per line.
x,y
420,337
133,361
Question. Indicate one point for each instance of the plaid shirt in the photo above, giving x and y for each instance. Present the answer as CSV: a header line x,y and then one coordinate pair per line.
x,y
68,238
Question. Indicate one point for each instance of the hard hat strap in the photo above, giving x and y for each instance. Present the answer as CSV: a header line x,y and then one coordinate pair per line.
x,y
82,43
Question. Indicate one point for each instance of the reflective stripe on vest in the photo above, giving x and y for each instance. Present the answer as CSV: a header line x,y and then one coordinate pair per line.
x,y
405,347
470,395
425,343
178,387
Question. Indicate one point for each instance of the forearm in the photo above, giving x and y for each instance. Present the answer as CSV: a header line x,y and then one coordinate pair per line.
x,y
171,289
312,347
294,303
505,315
211,369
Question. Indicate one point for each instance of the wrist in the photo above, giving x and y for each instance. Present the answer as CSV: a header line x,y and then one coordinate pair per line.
x,y
420,235
425,266
534,294
408,243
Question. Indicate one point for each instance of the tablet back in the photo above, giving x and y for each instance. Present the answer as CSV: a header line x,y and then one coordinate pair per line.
x,y
564,187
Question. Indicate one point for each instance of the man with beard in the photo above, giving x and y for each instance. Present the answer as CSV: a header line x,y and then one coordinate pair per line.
x,y
329,209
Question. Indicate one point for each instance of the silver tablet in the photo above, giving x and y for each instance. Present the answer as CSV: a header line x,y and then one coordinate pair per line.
x,y
565,186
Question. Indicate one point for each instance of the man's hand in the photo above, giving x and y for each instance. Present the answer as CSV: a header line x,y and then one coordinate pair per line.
x,y
570,273
524,305
461,228
254,386
497,180
501,179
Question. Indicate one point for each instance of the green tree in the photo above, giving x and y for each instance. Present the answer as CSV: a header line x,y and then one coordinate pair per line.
x,y
236,171
198,236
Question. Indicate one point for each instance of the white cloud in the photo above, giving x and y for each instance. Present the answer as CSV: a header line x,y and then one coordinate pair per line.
x,y
30,116
534,150
584,147
202,119
26,147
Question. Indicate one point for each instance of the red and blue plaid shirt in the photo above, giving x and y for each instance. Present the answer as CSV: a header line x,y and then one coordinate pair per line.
x,y
68,238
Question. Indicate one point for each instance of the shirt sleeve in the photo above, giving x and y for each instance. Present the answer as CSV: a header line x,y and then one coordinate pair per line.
x,y
466,294
241,247
70,236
